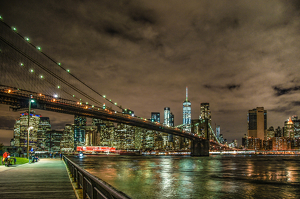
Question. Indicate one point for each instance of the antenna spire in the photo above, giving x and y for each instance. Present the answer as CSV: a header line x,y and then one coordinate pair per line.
x,y
186,94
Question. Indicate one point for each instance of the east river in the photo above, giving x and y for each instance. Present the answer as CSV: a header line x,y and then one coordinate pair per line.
x,y
198,177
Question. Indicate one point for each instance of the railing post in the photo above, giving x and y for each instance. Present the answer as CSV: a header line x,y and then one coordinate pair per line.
x,y
84,188
94,191
77,179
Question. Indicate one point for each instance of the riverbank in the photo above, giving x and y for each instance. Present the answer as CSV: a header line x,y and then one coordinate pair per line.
x,y
19,160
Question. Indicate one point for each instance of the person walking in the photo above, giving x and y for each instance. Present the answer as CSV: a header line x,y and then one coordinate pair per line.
x,y
4,157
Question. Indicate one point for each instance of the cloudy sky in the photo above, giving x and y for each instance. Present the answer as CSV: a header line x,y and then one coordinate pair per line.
x,y
236,55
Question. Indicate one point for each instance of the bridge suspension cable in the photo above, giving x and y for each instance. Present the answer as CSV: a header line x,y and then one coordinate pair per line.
x,y
51,73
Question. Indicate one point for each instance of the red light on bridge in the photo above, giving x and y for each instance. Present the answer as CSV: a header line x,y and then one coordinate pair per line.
x,y
96,149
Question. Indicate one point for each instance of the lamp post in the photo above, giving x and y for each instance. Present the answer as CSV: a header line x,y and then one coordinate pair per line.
x,y
29,127
28,132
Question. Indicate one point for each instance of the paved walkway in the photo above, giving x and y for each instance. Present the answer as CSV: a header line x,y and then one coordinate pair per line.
x,y
47,178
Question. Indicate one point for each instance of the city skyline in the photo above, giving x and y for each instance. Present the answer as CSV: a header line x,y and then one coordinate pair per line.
x,y
146,53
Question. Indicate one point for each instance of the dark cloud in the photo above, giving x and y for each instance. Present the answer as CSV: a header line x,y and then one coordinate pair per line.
x,y
295,103
143,53
279,91
143,16
230,87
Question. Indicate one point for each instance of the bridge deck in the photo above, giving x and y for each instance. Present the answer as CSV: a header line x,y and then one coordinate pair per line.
x,y
47,178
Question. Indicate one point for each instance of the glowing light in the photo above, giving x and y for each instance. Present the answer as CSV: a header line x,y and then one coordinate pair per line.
x,y
92,106
86,103
32,70
9,91
1,17
68,70
41,76
77,102
115,103
27,39
73,95
21,64
80,103
55,95
86,107
59,64
14,28
39,48
104,96
58,86
110,100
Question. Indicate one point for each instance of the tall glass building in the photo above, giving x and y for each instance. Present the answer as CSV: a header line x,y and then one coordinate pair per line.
x,y
155,117
79,130
187,113
167,116
168,121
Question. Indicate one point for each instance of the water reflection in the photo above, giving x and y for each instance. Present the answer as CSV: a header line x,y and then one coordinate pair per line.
x,y
202,177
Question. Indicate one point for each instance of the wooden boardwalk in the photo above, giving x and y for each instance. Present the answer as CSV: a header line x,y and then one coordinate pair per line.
x,y
47,178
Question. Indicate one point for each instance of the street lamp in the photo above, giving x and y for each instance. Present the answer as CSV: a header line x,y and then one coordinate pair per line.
x,y
29,127
28,132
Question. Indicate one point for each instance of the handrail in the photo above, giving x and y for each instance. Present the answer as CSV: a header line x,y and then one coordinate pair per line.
x,y
92,187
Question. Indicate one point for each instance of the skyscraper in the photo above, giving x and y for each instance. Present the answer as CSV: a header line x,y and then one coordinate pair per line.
x,y
168,121
205,120
289,130
257,123
79,130
167,116
21,130
218,131
187,113
155,117
205,112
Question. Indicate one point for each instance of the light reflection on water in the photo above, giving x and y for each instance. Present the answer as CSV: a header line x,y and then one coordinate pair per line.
x,y
198,177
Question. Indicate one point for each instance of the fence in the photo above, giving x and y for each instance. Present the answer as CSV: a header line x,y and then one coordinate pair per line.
x,y
92,187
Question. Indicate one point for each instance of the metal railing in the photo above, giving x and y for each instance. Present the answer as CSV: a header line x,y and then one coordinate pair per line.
x,y
92,187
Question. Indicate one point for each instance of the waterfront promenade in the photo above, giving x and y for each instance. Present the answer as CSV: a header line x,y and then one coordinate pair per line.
x,y
47,178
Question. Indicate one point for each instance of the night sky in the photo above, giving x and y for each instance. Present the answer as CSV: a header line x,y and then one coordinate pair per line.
x,y
235,55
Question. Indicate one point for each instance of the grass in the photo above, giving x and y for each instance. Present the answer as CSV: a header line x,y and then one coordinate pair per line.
x,y
19,160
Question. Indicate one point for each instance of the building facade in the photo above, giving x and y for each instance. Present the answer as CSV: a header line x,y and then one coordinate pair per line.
x,y
257,123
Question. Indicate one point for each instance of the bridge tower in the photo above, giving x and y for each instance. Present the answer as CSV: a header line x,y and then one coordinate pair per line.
x,y
201,147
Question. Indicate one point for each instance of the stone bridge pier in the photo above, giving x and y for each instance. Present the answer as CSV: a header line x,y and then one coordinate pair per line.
x,y
200,147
